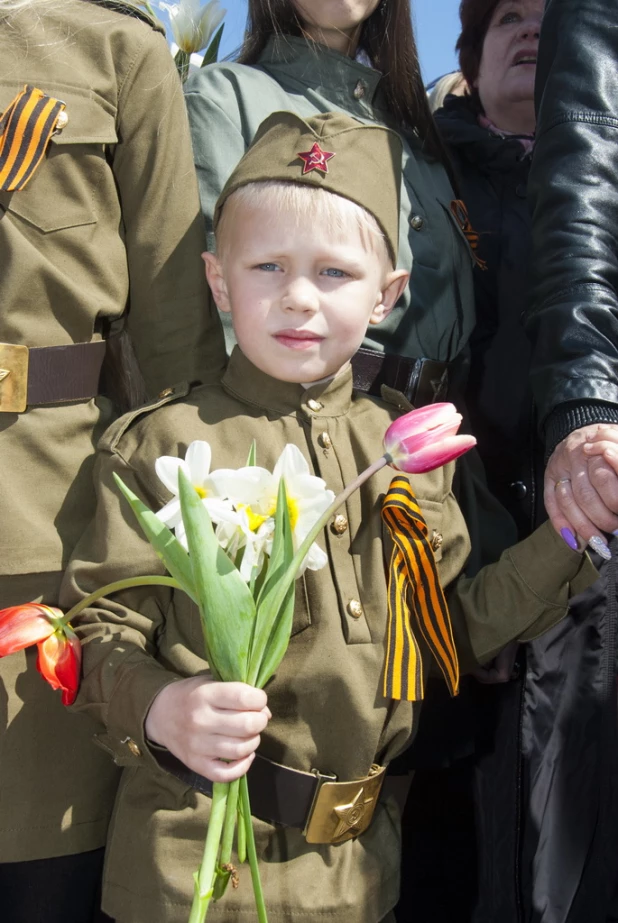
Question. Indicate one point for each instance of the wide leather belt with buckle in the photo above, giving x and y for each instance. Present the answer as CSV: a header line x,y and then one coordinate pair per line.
x,y
327,811
31,376
422,381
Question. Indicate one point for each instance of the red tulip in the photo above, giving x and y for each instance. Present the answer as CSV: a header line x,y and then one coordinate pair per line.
x,y
59,662
425,439
60,654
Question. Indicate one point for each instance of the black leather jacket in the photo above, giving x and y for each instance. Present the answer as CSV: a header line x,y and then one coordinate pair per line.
x,y
573,321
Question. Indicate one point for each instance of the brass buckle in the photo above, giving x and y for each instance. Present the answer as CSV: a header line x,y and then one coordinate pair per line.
x,y
344,810
13,378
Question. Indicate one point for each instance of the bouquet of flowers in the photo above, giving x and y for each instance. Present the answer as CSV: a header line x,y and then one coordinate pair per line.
x,y
235,541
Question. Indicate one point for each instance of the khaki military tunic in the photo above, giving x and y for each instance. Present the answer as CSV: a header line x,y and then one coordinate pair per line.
x,y
109,226
227,103
328,709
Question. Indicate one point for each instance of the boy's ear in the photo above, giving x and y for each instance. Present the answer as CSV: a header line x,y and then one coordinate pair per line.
x,y
393,288
216,281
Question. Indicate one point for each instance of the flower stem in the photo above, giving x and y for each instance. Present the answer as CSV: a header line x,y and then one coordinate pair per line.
x,y
114,588
255,677
204,878
251,852
227,840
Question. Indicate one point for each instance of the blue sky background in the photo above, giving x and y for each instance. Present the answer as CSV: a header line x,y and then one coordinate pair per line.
x,y
436,23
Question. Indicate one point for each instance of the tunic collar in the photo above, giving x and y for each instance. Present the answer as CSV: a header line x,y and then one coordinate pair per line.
x,y
253,387
343,81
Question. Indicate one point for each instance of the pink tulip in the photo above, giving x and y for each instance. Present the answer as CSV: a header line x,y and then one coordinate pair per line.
x,y
425,439
59,651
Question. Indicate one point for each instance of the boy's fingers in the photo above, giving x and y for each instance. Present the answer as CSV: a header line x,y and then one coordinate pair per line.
x,y
219,771
241,724
232,749
236,697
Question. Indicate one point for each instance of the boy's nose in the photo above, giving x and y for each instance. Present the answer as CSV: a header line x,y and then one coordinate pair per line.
x,y
300,295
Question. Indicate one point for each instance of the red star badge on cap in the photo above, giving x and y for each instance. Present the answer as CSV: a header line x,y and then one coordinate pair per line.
x,y
316,159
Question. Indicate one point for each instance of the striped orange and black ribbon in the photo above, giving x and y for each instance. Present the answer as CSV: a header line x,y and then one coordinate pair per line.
x,y
26,127
460,213
415,601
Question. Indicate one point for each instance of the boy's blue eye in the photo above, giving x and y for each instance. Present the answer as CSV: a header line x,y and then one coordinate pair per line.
x,y
268,267
335,273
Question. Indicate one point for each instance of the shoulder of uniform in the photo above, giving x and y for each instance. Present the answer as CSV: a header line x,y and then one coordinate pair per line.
x,y
130,9
114,433
395,398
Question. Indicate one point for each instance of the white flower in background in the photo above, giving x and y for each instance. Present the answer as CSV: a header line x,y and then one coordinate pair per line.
x,y
193,25
196,466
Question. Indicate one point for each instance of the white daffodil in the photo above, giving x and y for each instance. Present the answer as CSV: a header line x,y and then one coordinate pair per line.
x,y
193,25
253,494
196,467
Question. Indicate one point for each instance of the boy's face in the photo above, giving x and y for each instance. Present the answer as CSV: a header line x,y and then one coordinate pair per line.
x,y
300,300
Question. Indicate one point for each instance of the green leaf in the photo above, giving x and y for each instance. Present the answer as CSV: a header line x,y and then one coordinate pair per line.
x,y
252,457
226,604
274,613
212,52
164,542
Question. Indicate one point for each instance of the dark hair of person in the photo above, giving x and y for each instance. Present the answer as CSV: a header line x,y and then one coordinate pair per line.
x,y
388,41
475,16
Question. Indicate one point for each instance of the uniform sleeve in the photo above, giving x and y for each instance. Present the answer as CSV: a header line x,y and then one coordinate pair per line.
x,y
121,676
172,320
218,141
522,595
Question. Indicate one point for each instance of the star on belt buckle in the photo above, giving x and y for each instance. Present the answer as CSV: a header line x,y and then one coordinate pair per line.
x,y
344,810
13,378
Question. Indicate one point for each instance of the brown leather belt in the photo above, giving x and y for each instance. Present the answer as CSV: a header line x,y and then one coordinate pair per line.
x,y
31,376
422,381
327,811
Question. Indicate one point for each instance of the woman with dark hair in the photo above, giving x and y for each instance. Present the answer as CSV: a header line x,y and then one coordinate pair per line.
x,y
489,132
358,57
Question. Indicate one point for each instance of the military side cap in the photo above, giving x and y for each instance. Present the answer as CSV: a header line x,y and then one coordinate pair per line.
x,y
330,151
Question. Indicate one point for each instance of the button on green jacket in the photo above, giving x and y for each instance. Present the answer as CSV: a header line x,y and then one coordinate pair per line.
x,y
108,227
228,102
328,709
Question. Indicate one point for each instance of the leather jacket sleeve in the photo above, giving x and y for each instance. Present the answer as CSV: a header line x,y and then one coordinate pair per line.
x,y
573,318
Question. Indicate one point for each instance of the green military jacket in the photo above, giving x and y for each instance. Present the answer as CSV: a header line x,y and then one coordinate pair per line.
x,y
228,102
326,698
108,227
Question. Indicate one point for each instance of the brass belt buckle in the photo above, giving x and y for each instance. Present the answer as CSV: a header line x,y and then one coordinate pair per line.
x,y
344,810
13,378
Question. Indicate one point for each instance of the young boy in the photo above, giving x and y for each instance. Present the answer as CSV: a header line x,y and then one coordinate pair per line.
x,y
306,248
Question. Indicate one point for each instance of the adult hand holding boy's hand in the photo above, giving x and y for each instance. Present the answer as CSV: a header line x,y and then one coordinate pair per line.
x,y
204,723
581,491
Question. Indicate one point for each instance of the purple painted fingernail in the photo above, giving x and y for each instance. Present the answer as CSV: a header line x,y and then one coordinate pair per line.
x,y
615,533
597,544
569,539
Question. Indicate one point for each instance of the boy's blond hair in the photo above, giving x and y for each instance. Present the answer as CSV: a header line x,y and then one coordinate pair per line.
x,y
337,215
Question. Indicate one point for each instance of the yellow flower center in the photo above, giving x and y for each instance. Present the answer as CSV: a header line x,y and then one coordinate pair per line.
x,y
201,492
255,520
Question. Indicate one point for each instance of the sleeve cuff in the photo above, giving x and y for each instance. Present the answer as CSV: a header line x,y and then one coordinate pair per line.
x,y
542,558
135,693
571,416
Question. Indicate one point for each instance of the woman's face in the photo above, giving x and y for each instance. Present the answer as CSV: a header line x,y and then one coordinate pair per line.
x,y
324,20
508,63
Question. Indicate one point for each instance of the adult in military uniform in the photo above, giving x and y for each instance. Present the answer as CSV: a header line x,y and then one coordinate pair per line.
x,y
99,221
307,236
